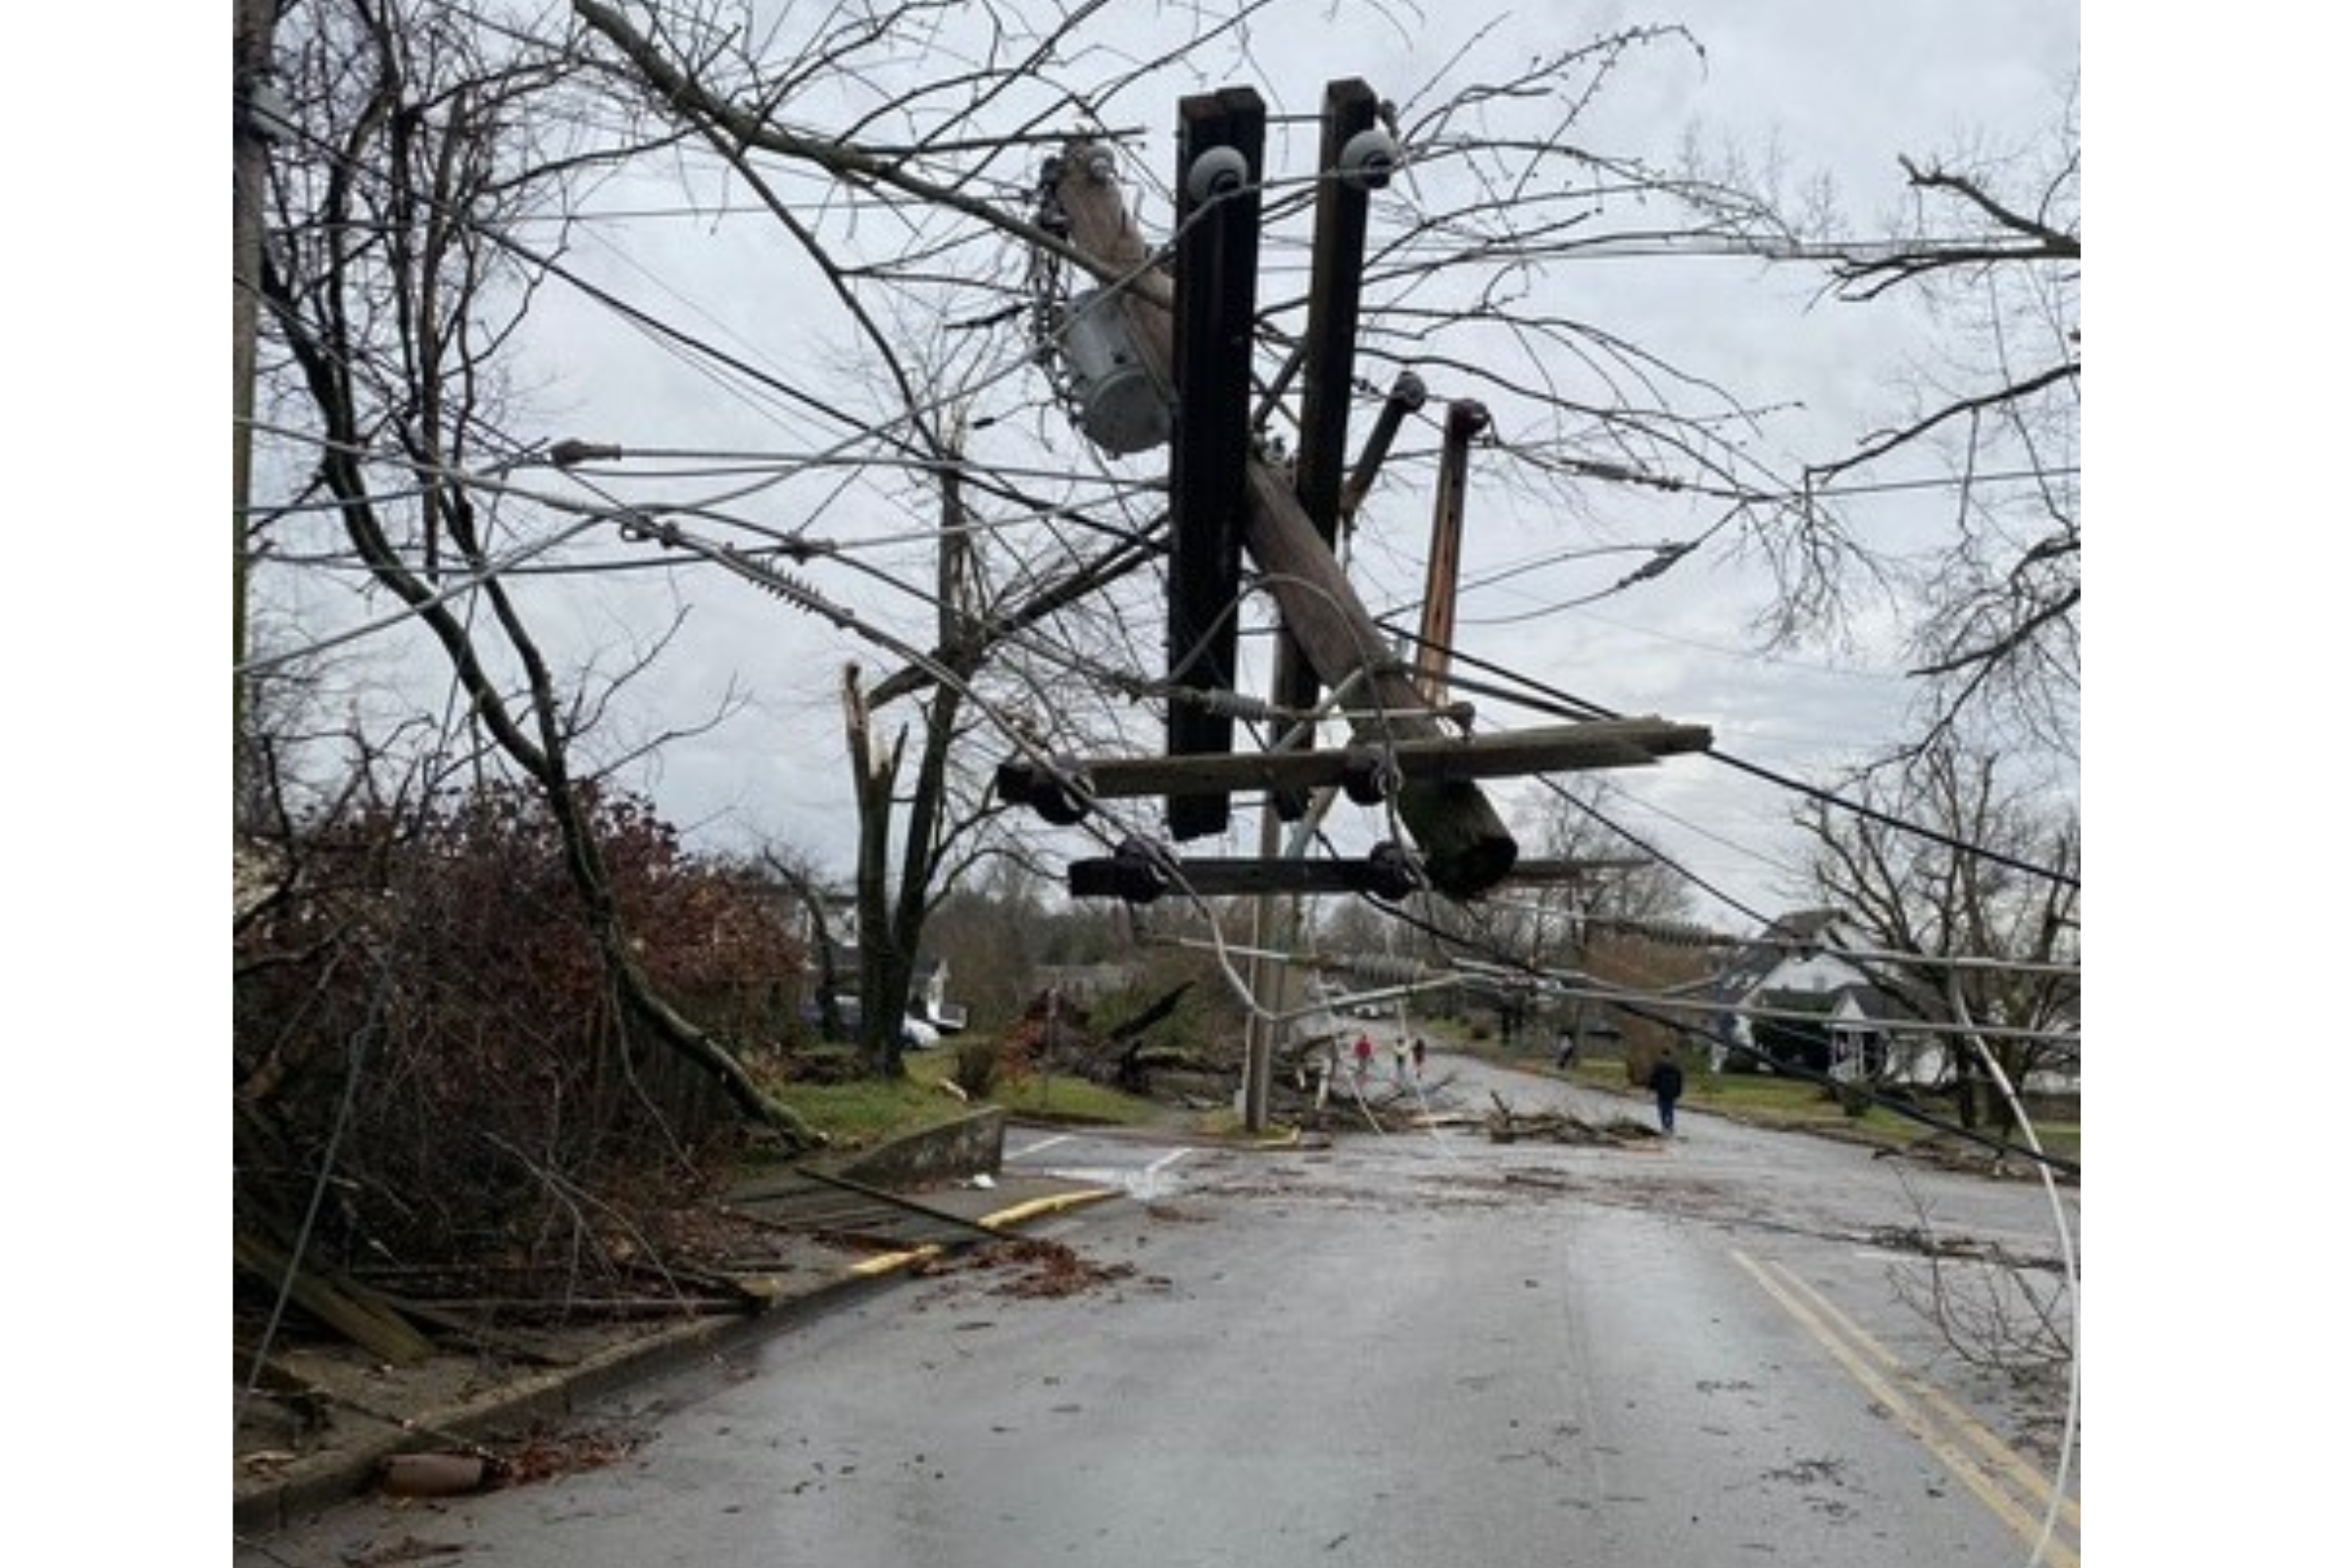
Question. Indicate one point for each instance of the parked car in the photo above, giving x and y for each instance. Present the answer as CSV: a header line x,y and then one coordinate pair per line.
x,y
914,1033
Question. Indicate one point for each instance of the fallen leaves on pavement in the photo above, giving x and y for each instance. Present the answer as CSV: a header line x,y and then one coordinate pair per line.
x,y
1037,1269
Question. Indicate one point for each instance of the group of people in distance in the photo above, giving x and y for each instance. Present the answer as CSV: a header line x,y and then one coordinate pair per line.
x,y
1414,1056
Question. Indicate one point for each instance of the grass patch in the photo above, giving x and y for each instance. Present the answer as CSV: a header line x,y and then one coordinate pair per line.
x,y
866,1111
1798,1103
1771,1101
1061,1097
1770,1098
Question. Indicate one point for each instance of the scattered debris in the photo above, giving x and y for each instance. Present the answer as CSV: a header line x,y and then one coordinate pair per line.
x,y
541,1456
1040,1269
546,1454
1506,1126
1928,1244
408,1549
434,1475
1968,1159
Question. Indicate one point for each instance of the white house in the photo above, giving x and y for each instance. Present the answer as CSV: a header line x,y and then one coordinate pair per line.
x,y
1792,996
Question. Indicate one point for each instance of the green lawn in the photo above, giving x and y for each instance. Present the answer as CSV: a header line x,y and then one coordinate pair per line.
x,y
1065,1098
1766,1099
1773,1101
867,1111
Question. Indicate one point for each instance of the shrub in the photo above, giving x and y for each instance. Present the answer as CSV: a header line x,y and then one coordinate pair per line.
x,y
977,1062
425,1004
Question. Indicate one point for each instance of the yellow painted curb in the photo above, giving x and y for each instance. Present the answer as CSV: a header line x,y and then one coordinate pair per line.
x,y
1048,1206
892,1262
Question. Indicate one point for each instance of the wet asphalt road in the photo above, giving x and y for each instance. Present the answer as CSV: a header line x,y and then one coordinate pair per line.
x,y
1421,1348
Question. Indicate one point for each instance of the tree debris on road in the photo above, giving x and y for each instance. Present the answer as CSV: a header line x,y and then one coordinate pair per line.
x,y
1505,1126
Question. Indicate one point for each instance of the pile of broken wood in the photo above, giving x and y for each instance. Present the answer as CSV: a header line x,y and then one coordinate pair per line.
x,y
1507,1126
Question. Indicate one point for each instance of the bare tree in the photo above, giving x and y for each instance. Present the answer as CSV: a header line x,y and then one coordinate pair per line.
x,y
1611,880
1975,881
391,285
918,200
1990,249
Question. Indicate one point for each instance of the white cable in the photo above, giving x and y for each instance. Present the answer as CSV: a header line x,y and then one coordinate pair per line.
x,y
2074,1282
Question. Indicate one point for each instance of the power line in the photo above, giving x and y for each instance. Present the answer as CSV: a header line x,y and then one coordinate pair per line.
x,y
1658,1008
1578,706
1649,849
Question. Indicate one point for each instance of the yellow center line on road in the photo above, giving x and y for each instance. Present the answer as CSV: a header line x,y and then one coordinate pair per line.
x,y
2021,1472
2004,1505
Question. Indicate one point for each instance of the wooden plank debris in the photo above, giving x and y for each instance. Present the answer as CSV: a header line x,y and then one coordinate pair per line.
x,y
349,1308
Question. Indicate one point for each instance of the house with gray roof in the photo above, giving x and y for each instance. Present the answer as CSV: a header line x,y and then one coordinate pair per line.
x,y
1794,997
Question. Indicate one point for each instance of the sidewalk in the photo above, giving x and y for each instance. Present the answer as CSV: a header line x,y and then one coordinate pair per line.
x,y
334,1440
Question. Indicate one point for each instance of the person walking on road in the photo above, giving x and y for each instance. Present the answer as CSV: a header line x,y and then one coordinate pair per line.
x,y
1666,1082
1363,1059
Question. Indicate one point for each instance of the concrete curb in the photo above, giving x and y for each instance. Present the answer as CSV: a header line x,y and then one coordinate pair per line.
x,y
530,1401
546,1396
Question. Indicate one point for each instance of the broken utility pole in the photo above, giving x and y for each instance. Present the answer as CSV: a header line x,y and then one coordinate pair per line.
x,y
1141,872
1335,291
1220,144
1464,844
1406,395
1367,774
1463,422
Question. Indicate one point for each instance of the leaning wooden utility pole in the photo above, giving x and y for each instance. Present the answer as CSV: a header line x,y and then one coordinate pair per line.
x,y
1465,847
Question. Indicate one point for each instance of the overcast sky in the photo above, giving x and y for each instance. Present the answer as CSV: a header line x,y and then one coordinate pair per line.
x,y
1833,89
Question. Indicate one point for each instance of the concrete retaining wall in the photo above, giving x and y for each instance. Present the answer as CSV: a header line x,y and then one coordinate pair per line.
x,y
968,1147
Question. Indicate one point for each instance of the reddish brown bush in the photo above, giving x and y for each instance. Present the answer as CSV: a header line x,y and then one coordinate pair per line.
x,y
426,1032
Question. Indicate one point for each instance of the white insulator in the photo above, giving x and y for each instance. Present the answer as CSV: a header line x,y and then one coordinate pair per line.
x,y
1368,160
1218,171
